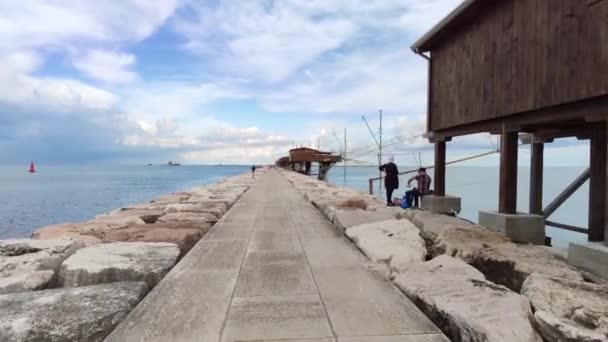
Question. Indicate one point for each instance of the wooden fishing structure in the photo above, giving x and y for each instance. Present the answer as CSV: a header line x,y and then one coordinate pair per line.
x,y
301,160
523,66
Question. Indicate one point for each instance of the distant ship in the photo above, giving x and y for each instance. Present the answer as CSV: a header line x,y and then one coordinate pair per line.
x,y
173,164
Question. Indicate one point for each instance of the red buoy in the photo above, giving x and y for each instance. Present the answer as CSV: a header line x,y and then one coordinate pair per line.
x,y
32,169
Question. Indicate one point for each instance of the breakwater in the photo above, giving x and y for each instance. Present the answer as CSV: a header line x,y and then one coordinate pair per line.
x,y
474,283
77,281
287,262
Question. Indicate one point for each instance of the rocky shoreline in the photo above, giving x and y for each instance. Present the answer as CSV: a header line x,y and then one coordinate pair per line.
x,y
473,283
78,281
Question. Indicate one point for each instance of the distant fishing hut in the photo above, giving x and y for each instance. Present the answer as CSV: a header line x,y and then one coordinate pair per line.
x,y
301,160
524,66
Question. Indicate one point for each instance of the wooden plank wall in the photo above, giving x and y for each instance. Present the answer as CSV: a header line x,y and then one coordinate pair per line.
x,y
520,55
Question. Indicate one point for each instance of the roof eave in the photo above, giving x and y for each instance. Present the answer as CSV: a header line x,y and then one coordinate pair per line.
x,y
421,45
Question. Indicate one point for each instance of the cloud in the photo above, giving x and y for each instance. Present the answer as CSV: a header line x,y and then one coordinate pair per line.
x,y
69,23
107,66
18,87
261,40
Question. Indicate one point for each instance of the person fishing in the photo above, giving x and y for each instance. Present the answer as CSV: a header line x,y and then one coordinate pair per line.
x,y
423,188
391,179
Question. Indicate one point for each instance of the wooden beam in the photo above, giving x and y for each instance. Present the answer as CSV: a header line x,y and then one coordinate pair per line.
x,y
569,191
585,111
440,168
536,178
597,185
567,227
507,202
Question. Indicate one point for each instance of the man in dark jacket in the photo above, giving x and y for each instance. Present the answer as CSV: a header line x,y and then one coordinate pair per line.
x,y
391,179
423,189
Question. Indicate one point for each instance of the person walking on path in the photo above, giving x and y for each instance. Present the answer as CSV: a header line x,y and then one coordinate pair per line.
x,y
423,189
391,179
253,171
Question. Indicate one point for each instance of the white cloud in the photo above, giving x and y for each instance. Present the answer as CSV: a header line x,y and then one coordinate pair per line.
x,y
19,88
267,42
65,23
108,66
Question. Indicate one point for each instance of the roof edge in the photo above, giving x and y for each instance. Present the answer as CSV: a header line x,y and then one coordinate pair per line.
x,y
419,45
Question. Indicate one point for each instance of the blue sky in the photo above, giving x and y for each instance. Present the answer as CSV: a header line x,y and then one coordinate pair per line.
x,y
137,81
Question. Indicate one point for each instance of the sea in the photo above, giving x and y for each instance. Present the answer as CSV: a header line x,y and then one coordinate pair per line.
x,y
57,194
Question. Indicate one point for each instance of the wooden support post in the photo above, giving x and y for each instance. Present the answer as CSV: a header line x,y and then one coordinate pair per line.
x,y
507,202
536,178
440,168
597,183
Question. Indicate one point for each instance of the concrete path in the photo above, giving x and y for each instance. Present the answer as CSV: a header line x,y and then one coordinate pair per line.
x,y
274,269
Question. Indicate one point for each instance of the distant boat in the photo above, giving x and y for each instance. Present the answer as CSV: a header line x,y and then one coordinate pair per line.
x,y
32,169
173,164
149,164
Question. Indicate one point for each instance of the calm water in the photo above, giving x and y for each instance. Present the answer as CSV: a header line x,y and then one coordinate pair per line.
x,y
57,194
478,187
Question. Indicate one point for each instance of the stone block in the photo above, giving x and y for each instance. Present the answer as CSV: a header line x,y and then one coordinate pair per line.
x,y
86,314
396,243
590,257
441,204
466,306
119,261
27,264
568,310
523,228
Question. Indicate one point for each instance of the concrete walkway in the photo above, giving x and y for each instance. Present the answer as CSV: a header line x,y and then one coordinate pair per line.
x,y
274,269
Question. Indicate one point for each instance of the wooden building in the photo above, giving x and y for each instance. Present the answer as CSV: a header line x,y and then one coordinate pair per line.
x,y
302,159
522,66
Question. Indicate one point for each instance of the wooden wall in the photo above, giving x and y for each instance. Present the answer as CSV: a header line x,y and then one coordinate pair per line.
x,y
520,55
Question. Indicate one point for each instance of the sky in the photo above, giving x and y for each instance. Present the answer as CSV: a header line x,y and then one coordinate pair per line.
x,y
214,81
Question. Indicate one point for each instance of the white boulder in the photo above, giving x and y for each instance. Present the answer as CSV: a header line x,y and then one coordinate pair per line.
x,y
119,261
27,264
568,310
465,306
396,243
84,314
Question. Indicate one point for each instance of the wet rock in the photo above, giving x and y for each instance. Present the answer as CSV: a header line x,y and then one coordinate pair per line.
x,y
195,218
27,264
396,243
84,314
464,305
120,261
510,264
65,231
185,239
568,310
344,219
